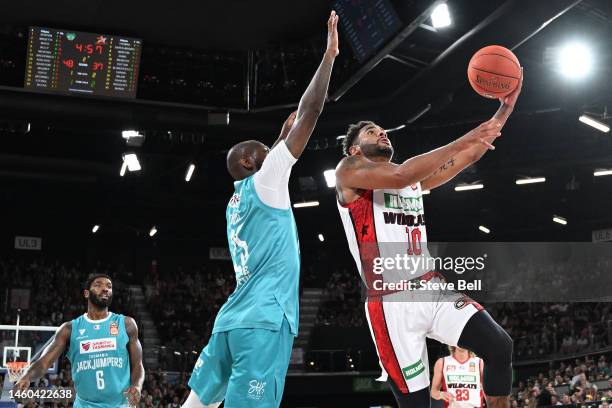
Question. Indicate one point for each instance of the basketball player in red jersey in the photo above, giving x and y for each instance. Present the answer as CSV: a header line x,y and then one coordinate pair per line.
x,y
457,379
381,205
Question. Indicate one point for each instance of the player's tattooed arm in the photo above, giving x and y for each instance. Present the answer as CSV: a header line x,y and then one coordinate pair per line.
x,y
137,372
311,103
469,156
38,368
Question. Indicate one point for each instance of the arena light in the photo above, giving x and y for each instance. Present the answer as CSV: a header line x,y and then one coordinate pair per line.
x,y
190,171
321,237
530,180
575,60
484,229
131,161
153,231
425,192
95,228
602,172
123,168
587,120
440,16
559,220
126,134
466,187
330,177
306,204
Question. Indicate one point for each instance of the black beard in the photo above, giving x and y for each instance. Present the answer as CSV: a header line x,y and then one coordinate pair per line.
x,y
101,303
375,150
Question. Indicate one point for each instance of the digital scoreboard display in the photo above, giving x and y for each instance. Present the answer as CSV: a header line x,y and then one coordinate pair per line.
x,y
72,62
369,24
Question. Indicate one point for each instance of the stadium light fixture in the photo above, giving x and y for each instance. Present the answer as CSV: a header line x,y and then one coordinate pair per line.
x,y
123,168
153,231
321,237
530,180
306,204
559,220
330,177
440,16
484,229
587,120
602,172
95,228
466,187
575,60
131,161
425,192
190,171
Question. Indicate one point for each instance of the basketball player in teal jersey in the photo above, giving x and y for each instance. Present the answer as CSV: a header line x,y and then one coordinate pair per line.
x,y
246,359
103,349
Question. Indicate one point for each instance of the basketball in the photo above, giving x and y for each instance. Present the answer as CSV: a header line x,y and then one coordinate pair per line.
x,y
494,71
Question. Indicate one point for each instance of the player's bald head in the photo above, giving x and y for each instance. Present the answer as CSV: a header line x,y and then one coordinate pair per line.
x,y
245,158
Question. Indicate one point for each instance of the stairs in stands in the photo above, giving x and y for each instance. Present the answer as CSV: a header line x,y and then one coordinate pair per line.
x,y
309,307
146,326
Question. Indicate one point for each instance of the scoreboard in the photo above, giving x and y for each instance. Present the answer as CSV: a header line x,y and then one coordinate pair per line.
x,y
72,62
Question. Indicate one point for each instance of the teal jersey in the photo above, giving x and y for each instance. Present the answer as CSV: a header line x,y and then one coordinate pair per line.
x,y
264,247
100,361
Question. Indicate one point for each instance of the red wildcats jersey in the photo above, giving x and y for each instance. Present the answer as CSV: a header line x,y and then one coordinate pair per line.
x,y
383,224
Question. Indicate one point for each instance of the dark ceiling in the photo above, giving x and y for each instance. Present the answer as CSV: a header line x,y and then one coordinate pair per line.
x,y
69,162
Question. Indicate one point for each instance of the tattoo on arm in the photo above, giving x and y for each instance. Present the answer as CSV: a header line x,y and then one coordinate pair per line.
x,y
450,163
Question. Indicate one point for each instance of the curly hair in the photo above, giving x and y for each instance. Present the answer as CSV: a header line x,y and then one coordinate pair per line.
x,y
92,277
351,135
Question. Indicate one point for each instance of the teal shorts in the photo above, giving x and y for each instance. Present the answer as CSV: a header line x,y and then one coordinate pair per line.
x,y
244,367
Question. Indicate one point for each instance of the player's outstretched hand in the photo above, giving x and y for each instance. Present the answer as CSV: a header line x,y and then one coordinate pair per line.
x,y
332,35
133,395
22,384
482,135
510,100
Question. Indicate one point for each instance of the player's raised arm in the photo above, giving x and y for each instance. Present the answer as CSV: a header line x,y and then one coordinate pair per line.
x,y
311,103
137,372
358,172
461,161
38,368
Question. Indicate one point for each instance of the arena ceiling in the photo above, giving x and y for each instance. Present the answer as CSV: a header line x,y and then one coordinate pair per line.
x,y
69,162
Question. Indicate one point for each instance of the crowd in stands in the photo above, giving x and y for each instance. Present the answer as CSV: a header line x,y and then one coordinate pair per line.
x,y
538,329
586,382
184,303
53,290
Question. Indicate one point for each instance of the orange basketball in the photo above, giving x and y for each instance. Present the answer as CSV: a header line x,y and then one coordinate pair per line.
x,y
494,71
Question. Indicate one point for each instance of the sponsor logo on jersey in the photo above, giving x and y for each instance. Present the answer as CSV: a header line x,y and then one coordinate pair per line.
x,y
96,327
81,331
234,201
256,389
472,367
407,204
453,378
98,345
114,329
413,370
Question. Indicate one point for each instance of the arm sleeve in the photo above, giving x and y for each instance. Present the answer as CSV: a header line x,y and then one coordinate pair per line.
x,y
272,180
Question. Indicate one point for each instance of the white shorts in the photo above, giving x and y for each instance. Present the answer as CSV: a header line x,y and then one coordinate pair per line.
x,y
400,322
